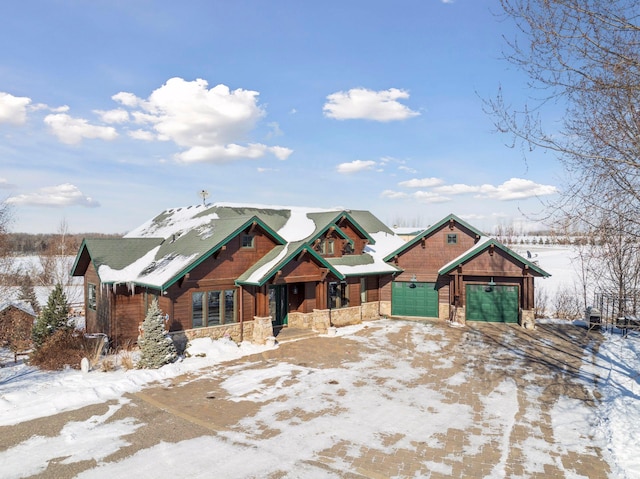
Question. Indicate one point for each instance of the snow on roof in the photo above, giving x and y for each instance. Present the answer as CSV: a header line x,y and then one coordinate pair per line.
x,y
385,244
174,221
293,223
299,226
257,275
21,305
146,269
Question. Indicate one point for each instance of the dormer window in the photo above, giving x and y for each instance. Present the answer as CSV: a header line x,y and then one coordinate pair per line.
x,y
248,241
452,238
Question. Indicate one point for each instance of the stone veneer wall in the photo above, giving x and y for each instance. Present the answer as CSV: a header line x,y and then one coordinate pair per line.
x,y
232,331
385,308
444,309
371,311
528,319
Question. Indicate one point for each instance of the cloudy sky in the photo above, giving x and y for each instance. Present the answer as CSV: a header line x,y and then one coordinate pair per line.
x,y
112,111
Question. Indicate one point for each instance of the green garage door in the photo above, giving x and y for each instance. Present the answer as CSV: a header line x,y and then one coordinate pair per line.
x,y
414,299
492,303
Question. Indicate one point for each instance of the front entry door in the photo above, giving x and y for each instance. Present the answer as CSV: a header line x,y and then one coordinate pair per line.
x,y
278,305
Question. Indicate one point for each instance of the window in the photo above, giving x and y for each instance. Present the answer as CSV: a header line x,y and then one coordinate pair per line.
x,y
452,238
363,290
338,295
212,308
248,241
91,296
327,246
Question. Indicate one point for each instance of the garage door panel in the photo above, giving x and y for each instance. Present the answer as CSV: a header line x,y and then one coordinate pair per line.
x,y
414,299
497,303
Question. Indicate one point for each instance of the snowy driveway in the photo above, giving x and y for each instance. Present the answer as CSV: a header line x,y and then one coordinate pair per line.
x,y
388,399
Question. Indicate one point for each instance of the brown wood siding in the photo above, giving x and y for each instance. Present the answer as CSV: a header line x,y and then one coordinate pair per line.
x,y
354,291
497,264
219,272
373,291
425,258
385,288
296,271
358,242
129,312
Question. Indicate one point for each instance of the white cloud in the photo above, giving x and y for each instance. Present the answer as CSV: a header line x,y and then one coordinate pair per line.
x,y
421,183
429,197
407,169
458,189
225,153
13,109
72,131
5,185
360,103
117,115
355,166
127,99
512,189
209,123
517,188
393,194
144,135
55,196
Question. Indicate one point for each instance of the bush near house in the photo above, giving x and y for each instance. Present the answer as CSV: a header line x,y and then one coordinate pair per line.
x,y
64,348
156,346
53,317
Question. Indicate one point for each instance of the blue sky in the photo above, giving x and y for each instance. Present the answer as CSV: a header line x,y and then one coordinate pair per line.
x,y
112,111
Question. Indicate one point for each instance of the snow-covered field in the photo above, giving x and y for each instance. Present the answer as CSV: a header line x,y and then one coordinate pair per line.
x,y
27,393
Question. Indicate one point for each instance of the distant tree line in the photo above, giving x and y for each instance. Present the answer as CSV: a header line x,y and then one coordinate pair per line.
x,y
41,243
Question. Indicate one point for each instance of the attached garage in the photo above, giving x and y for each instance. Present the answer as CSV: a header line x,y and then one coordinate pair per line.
x,y
414,299
492,303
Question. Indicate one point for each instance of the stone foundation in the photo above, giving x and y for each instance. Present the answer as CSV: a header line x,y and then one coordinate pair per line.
x,y
238,332
444,310
458,315
262,329
371,311
385,308
300,320
320,320
528,319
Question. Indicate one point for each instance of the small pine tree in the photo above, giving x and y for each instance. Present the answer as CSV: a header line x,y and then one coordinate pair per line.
x,y
53,317
155,344
28,294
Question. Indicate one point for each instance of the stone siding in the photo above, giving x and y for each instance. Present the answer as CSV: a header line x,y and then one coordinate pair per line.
x,y
444,310
385,308
236,331
528,319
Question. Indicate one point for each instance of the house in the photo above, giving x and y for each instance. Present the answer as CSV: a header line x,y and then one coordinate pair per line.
x,y
16,324
239,270
243,270
452,271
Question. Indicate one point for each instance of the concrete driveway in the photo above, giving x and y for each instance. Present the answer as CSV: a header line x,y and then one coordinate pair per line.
x,y
390,399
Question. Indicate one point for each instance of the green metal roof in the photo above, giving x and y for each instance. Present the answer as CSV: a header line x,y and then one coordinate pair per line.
x,y
117,253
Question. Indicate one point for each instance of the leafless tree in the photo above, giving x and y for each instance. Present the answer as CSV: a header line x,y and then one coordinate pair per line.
x,y
6,258
57,260
582,60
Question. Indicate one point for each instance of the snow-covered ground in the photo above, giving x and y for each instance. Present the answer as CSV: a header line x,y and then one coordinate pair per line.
x,y
28,393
